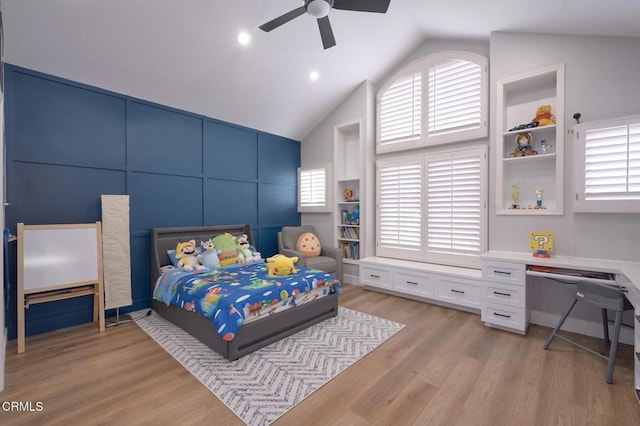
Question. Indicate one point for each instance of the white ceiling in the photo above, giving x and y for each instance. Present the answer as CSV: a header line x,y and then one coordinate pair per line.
x,y
184,53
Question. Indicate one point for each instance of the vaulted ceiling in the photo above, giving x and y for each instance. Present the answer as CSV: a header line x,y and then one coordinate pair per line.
x,y
184,53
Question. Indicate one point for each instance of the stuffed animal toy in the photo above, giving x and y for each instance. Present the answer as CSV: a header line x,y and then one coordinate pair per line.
x,y
226,247
246,253
523,148
209,255
281,265
544,116
187,255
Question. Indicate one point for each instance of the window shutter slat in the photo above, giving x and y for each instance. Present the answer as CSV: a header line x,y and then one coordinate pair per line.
x,y
313,188
401,109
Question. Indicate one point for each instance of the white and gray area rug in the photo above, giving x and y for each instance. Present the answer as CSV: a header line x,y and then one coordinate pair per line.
x,y
262,386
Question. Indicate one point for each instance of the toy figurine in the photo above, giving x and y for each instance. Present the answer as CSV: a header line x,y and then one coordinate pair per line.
x,y
523,146
515,195
539,192
545,146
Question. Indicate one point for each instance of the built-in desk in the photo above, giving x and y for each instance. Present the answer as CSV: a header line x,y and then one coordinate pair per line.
x,y
504,288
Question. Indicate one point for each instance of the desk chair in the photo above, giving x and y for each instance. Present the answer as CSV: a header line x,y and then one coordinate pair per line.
x,y
604,297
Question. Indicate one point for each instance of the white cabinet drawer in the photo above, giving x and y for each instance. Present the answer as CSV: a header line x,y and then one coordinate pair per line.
x,y
416,284
505,316
458,291
375,276
505,294
504,272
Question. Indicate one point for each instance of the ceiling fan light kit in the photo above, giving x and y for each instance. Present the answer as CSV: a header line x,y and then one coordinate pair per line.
x,y
320,9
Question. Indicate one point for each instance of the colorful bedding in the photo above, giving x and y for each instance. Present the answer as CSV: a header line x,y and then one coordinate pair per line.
x,y
233,295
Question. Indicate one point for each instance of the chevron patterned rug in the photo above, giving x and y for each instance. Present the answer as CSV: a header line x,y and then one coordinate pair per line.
x,y
264,385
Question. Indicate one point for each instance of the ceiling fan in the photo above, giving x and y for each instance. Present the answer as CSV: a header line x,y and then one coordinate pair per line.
x,y
320,9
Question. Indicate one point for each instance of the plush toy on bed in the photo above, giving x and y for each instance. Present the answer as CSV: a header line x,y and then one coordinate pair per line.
x,y
246,253
226,247
209,255
187,255
281,265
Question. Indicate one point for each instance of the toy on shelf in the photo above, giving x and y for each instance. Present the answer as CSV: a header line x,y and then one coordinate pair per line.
x,y
349,195
515,195
539,192
544,116
541,243
546,146
523,146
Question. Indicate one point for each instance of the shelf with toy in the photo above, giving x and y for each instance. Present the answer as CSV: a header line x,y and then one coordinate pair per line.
x,y
539,157
538,129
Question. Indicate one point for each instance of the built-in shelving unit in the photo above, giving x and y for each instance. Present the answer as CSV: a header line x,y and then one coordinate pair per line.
x,y
517,101
347,218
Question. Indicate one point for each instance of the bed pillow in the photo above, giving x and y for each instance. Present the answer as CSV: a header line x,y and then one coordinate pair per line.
x,y
172,257
309,244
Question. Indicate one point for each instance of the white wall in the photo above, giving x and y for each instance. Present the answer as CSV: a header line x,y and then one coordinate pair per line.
x,y
601,81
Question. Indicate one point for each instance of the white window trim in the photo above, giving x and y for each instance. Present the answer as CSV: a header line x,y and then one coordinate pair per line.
x,y
328,184
424,139
580,203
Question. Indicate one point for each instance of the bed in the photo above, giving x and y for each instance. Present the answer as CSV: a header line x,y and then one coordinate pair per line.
x,y
251,335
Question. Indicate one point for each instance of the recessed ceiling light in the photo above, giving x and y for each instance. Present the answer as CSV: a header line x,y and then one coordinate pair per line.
x,y
314,75
244,38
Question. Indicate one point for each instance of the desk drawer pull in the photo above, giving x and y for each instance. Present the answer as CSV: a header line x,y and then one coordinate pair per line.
x,y
412,282
502,294
374,276
501,315
457,291
502,272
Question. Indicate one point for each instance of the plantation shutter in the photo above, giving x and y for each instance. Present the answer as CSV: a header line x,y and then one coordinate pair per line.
x,y
401,110
313,188
399,206
455,97
612,163
454,201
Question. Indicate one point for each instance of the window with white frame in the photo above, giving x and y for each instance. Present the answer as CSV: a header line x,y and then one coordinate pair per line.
x,y
608,166
438,99
313,190
431,207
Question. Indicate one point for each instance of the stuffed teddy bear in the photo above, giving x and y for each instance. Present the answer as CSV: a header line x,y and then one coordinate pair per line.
x,y
187,255
544,116
523,148
246,253
281,265
209,255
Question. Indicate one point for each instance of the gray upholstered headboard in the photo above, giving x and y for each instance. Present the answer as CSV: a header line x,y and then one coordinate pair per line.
x,y
163,239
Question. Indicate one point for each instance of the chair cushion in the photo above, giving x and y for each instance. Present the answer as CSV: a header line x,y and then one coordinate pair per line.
x,y
323,263
309,244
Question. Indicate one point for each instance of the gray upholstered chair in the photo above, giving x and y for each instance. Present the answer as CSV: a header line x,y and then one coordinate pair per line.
x,y
330,259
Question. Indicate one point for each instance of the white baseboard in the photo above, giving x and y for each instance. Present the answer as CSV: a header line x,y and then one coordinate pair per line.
x,y
3,351
351,279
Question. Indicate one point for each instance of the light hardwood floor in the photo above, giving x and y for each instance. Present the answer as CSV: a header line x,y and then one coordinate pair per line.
x,y
444,368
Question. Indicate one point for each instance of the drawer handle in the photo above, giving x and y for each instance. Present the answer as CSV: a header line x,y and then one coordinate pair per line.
x,y
374,276
502,272
457,291
501,315
412,282
502,294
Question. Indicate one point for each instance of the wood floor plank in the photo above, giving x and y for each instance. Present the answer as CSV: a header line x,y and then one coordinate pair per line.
x,y
444,367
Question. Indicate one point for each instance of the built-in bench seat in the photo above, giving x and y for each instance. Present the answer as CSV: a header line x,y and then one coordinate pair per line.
x,y
450,286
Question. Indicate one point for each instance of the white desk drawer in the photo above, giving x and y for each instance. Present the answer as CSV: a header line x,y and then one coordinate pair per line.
x,y
505,294
505,316
375,276
458,291
504,272
416,284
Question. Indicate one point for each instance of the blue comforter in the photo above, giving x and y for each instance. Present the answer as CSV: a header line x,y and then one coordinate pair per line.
x,y
227,295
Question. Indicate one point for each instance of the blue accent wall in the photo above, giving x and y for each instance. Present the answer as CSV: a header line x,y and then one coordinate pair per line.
x,y
69,143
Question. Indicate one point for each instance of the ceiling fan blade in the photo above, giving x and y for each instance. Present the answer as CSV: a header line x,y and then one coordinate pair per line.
x,y
326,33
377,6
280,20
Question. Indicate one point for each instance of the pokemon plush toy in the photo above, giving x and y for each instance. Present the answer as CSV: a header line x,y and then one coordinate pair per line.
x,y
246,253
209,255
186,253
544,116
281,265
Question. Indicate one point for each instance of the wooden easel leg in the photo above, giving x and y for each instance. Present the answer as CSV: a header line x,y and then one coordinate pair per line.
x,y
21,327
100,306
